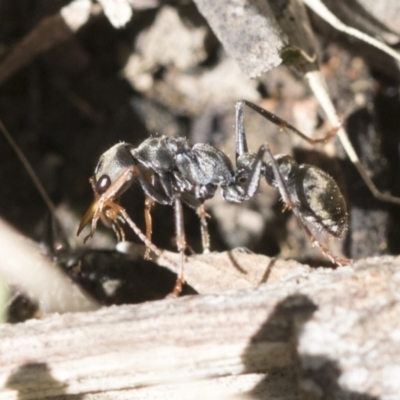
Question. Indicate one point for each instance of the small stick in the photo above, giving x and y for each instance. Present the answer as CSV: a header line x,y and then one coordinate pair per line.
x,y
318,86
320,9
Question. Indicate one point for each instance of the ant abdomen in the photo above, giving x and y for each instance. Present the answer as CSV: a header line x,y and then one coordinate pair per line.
x,y
320,200
314,192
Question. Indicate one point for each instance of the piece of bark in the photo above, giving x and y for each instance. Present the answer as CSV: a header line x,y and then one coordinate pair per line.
x,y
248,31
327,333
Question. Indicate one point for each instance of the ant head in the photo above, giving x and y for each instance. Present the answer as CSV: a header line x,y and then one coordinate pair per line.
x,y
111,164
109,170
288,168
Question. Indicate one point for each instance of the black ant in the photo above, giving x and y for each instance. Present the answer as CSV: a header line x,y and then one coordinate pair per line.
x,y
171,171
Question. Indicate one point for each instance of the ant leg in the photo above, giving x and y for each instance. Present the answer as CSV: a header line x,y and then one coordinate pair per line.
x,y
110,211
104,205
97,207
278,178
205,237
197,204
181,245
240,137
252,180
247,179
148,204
341,261
339,131
119,232
285,125
151,195
122,212
291,205
111,214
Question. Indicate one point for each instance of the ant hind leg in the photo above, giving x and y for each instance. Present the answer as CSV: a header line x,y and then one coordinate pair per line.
x,y
285,125
289,204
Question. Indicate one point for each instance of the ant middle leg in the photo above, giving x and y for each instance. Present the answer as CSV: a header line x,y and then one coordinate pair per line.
x,y
205,237
148,205
153,194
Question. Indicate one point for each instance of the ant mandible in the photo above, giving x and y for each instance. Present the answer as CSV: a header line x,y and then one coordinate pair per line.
x,y
170,171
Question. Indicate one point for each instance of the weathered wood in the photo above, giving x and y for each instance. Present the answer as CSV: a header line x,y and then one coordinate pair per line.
x,y
315,333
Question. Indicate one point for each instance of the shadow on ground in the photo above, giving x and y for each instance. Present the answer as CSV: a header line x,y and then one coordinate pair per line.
x,y
35,379
295,382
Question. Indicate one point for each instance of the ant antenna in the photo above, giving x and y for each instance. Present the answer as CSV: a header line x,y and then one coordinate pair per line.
x,y
31,172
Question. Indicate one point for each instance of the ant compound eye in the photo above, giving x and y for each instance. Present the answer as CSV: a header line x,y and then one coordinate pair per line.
x,y
103,184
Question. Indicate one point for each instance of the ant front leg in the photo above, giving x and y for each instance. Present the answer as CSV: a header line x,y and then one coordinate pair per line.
x,y
152,195
148,205
181,245
104,202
